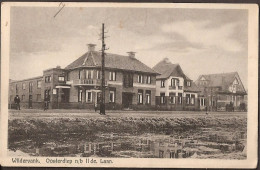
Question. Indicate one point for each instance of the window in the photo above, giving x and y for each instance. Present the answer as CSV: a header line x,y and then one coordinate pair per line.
x,y
23,97
202,102
47,79
30,86
188,83
148,96
187,98
162,83
23,86
180,98
39,84
148,80
192,99
112,76
162,96
61,78
98,74
177,82
47,95
112,96
80,95
172,82
88,96
89,74
128,80
98,99
16,88
140,97
140,79
38,97
79,74
172,98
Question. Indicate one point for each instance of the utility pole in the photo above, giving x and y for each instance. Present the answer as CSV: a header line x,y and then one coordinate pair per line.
x,y
102,104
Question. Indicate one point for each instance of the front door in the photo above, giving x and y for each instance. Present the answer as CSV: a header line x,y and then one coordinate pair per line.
x,y
65,95
30,101
127,99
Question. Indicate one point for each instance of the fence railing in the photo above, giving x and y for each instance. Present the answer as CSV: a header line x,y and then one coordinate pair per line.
x,y
94,82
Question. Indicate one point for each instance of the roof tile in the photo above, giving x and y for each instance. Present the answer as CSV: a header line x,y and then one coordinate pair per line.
x,y
113,61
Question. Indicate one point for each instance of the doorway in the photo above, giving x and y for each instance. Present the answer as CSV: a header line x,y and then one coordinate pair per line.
x,y
127,100
30,101
65,95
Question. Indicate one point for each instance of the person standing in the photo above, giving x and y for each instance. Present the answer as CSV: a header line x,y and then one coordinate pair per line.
x,y
95,106
46,103
17,102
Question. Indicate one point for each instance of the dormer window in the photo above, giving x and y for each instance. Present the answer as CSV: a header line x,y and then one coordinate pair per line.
x,y
188,83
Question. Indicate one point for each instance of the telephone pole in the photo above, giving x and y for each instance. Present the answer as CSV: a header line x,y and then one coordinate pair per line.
x,y
102,104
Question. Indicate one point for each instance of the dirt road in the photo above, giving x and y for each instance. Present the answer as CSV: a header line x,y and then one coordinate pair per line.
x,y
40,114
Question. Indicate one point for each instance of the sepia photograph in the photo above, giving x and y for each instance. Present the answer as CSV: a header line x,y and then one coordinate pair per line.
x,y
88,83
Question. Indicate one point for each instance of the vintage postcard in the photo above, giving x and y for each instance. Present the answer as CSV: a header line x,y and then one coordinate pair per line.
x,y
129,85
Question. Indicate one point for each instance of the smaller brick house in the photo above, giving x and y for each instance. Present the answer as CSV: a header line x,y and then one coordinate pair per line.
x,y
174,90
218,91
29,91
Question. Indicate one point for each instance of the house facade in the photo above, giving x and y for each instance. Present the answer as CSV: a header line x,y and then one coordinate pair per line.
x,y
174,90
29,91
129,83
221,91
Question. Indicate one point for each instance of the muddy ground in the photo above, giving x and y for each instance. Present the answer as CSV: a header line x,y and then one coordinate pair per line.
x,y
217,135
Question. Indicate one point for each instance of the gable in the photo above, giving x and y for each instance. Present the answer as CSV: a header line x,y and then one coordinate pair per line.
x,y
236,85
202,78
235,82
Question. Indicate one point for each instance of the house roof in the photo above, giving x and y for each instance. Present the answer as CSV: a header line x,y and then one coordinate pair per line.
x,y
192,88
113,61
219,80
223,80
28,79
167,69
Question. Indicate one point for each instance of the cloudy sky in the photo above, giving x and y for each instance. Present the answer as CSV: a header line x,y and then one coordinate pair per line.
x,y
202,41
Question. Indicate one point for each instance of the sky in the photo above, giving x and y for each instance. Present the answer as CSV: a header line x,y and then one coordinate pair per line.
x,y
202,41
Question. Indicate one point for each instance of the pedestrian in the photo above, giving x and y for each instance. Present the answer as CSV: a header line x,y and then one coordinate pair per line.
x,y
206,108
17,102
46,103
95,106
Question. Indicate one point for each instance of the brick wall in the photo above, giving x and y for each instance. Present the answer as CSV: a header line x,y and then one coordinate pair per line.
x,y
23,92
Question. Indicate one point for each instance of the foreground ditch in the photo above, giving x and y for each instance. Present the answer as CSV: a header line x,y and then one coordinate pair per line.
x,y
153,137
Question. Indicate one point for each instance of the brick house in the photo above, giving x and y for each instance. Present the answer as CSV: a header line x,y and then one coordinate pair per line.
x,y
29,91
219,90
174,90
129,83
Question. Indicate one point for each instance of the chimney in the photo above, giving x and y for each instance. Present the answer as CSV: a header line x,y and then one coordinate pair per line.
x,y
166,60
91,47
131,54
